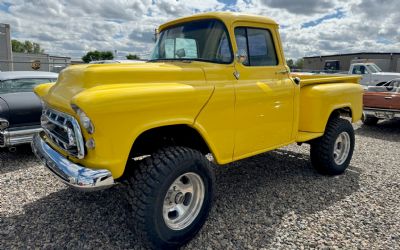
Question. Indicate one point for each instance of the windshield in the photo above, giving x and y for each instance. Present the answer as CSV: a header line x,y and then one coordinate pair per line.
x,y
374,68
205,40
21,85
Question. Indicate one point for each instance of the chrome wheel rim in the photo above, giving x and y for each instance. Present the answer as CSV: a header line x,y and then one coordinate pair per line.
x,y
183,201
341,148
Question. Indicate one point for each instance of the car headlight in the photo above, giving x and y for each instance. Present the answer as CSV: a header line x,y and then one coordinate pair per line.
x,y
84,119
4,124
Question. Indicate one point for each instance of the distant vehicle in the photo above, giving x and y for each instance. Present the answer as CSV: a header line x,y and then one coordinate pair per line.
x,y
332,66
382,102
371,73
20,108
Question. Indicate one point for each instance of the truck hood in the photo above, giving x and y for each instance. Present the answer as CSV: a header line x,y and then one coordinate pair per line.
x,y
78,78
20,109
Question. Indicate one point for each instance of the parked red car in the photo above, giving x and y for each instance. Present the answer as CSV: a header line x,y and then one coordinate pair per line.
x,y
381,102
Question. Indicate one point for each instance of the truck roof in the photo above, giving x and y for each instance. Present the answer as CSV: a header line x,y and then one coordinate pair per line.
x,y
227,17
363,63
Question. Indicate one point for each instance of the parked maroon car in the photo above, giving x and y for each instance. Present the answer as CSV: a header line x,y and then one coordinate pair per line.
x,y
382,102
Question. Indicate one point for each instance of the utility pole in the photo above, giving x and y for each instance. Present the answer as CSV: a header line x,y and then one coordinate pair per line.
x,y
5,43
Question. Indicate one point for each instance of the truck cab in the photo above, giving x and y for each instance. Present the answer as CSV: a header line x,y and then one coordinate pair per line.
x,y
371,74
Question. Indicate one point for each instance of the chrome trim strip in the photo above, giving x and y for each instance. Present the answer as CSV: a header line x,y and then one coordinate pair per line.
x,y
381,110
74,175
17,137
382,113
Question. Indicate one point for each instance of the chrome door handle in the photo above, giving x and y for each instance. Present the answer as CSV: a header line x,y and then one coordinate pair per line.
x,y
388,97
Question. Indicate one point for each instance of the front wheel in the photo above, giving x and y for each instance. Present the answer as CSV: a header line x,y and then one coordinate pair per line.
x,y
331,154
171,195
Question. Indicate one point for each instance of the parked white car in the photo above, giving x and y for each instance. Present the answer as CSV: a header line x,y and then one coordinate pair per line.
x,y
371,74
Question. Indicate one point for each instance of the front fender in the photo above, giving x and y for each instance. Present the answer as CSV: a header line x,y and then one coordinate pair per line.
x,y
121,112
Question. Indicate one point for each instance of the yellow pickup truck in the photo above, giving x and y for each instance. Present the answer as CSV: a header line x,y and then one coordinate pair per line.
x,y
216,83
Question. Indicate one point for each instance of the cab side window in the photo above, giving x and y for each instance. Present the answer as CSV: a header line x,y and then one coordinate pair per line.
x,y
359,70
258,45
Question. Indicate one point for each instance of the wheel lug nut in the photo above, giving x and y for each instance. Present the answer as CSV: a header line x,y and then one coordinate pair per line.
x,y
179,198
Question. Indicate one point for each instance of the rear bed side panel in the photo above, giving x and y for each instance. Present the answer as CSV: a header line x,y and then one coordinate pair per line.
x,y
317,102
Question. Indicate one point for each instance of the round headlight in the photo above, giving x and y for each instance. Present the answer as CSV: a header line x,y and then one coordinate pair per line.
x,y
84,119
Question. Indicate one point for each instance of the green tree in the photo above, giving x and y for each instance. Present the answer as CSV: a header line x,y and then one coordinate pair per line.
x,y
97,56
37,49
26,47
17,46
299,63
290,63
132,57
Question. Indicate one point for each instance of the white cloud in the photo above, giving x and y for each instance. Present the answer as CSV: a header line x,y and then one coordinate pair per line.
x,y
72,27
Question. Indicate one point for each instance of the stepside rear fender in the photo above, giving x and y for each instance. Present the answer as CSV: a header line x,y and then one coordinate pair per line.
x,y
317,102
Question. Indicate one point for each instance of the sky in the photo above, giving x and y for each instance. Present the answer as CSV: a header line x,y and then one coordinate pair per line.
x,y
308,28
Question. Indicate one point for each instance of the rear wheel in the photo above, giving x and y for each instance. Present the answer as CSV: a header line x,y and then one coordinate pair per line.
x,y
171,196
331,154
369,120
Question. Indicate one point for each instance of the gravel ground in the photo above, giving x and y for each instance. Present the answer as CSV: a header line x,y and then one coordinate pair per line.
x,y
271,201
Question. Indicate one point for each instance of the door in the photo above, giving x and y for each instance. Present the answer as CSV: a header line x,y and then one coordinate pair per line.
x,y
264,106
360,69
383,97
395,97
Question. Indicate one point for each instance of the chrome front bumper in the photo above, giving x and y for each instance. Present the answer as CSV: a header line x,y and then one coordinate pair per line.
x,y
72,174
9,138
382,113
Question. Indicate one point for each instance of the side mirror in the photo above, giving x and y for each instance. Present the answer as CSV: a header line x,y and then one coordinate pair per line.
x,y
241,56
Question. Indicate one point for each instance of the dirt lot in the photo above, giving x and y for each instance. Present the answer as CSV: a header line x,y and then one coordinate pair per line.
x,y
275,200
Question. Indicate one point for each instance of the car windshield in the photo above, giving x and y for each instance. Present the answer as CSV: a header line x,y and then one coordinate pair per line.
x,y
374,68
204,40
22,85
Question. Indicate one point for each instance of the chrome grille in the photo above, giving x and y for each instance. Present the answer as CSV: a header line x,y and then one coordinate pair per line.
x,y
63,130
